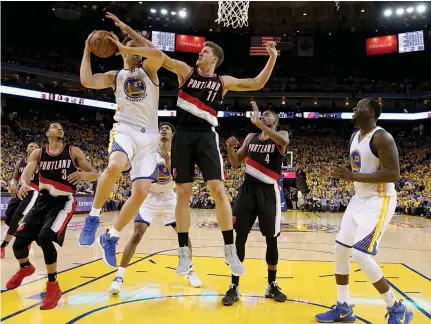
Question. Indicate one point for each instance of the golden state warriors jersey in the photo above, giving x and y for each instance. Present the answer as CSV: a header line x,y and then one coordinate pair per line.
x,y
364,159
137,98
164,181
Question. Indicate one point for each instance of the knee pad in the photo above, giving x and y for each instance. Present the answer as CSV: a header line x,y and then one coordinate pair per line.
x,y
271,251
368,265
20,248
342,259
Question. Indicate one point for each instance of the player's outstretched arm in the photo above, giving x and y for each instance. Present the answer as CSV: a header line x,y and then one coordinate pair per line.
x,y
253,84
236,158
281,138
88,172
90,80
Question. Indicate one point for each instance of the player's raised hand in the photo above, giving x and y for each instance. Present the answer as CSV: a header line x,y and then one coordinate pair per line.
x,y
87,42
255,114
117,21
271,49
165,155
232,142
114,38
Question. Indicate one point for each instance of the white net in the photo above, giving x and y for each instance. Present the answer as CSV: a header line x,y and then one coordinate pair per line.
x,y
233,13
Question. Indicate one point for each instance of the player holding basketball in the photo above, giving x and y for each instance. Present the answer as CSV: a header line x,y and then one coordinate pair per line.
x,y
160,201
47,221
374,169
18,208
134,138
196,142
259,195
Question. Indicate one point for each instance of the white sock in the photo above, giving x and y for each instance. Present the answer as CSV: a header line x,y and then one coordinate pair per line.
x,y
389,298
121,271
95,212
114,232
343,292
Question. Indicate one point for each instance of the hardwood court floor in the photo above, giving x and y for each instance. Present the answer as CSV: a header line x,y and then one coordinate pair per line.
x,y
153,294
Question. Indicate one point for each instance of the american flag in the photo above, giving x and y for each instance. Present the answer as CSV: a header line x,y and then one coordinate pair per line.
x,y
258,48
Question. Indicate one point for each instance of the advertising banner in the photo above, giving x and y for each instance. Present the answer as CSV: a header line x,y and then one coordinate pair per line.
x,y
189,44
382,45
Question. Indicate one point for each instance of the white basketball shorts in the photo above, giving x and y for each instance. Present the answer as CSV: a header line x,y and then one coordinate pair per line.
x,y
160,204
365,221
140,145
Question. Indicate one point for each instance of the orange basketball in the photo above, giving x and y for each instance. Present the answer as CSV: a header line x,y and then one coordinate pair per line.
x,y
100,45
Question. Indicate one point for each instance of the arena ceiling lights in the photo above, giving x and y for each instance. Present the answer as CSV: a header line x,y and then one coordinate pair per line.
x,y
401,11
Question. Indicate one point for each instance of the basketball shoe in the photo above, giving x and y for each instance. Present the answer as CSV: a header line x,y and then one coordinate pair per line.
x,y
52,295
341,313
399,314
193,278
231,296
116,284
108,244
185,261
88,233
273,291
19,276
231,259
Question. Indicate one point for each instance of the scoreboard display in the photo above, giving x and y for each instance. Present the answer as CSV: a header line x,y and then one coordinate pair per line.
x,y
411,42
163,40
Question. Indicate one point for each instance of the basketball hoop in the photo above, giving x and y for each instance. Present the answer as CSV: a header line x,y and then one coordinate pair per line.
x,y
233,13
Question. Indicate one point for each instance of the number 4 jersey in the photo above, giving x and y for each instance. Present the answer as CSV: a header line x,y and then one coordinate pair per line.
x,y
54,170
264,159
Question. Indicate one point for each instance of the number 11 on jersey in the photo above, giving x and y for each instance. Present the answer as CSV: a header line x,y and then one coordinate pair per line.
x,y
213,93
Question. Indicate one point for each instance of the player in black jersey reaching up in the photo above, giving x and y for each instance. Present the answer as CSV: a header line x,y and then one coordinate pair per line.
x,y
196,142
259,195
46,223
18,208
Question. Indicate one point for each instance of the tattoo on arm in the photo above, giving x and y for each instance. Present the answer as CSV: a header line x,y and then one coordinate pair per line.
x,y
243,86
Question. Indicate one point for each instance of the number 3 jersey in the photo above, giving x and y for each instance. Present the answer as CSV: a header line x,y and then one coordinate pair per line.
x,y
264,160
54,170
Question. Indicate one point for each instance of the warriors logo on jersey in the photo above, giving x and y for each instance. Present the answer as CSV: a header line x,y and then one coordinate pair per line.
x,y
135,89
163,174
355,158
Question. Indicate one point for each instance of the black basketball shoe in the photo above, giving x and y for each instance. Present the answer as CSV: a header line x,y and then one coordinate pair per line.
x,y
273,291
231,296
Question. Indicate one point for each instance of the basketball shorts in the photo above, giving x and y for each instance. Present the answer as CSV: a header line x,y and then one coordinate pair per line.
x,y
160,204
19,208
258,200
49,212
191,148
365,221
140,145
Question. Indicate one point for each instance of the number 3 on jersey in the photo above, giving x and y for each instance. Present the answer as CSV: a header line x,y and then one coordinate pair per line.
x,y
63,174
267,158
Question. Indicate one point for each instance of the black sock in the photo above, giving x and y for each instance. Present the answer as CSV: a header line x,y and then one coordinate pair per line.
x,y
4,244
227,237
25,264
272,274
235,280
183,239
52,277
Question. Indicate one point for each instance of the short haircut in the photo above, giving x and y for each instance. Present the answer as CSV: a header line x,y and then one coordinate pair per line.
x,y
376,106
217,50
48,126
172,127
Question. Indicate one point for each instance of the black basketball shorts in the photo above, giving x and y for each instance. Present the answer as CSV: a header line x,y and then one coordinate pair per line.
x,y
18,208
191,148
49,212
258,200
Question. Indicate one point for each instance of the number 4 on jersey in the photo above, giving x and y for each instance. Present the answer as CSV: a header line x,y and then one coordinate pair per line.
x,y
267,158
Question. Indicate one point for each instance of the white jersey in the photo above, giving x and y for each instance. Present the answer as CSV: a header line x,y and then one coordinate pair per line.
x,y
164,181
137,98
364,160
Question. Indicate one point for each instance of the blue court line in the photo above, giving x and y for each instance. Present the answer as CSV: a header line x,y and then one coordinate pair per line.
x,y
81,285
152,261
171,268
76,319
330,275
417,272
419,307
413,292
218,275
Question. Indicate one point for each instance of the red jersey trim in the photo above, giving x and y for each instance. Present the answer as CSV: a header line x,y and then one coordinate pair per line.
x,y
186,78
56,185
205,75
196,102
68,217
49,153
262,169
279,150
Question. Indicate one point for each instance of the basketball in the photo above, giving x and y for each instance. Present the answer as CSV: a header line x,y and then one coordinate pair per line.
x,y
100,45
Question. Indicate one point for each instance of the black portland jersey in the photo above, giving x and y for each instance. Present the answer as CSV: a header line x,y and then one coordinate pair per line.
x,y
54,170
34,182
264,160
197,99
